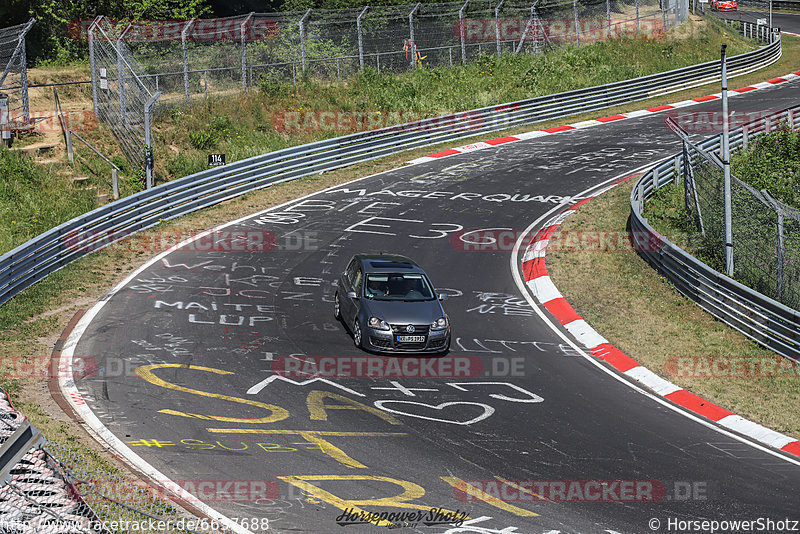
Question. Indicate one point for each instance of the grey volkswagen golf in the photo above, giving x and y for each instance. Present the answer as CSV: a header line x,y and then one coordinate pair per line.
x,y
389,304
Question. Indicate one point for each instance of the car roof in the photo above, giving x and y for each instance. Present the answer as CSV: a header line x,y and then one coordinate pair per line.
x,y
387,263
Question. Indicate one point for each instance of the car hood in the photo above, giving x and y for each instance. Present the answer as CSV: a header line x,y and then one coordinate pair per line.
x,y
399,312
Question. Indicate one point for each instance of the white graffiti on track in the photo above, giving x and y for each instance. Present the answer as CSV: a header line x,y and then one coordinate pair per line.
x,y
501,303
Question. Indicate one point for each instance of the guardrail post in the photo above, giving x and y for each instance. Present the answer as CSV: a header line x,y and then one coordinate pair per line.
x,y
676,172
361,38
577,24
656,177
115,183
462,33
302,24
243,37
745,136
497,24
185,53
412,43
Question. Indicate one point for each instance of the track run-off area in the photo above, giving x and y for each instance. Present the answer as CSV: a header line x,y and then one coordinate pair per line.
x,y
203,367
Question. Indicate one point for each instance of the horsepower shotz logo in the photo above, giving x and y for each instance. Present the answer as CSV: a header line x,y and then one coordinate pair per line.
x,y
429,518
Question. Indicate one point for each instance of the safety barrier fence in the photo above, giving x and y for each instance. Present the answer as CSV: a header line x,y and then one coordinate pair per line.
x,y
14,108
765,238
56,248
32,261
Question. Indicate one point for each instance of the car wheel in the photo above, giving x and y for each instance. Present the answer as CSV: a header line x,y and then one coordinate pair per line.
x,y
337,312
357,334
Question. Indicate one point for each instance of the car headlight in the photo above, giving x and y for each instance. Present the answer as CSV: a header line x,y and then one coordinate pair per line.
x,y
439,324
378,324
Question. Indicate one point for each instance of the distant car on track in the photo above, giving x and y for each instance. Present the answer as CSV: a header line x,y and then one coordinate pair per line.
x,y
723,5
390,305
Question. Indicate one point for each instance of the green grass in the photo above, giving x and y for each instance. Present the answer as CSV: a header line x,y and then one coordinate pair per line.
x,y
251,125
33,199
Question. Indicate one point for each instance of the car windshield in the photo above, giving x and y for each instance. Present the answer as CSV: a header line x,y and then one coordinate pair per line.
x,y
398,286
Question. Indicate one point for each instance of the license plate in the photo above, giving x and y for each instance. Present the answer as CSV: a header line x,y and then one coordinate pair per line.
x,y
411,339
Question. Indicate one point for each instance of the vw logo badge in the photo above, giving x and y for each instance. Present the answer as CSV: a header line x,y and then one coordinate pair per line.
x,y
410,328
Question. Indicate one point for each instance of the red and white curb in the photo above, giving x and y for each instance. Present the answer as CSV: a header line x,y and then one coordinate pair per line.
x,y
534,274
596,122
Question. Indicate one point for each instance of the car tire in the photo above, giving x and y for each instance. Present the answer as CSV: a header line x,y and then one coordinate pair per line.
x,y
357,336
337,312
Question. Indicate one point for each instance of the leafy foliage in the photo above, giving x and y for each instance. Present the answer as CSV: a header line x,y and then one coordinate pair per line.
x,y
772,163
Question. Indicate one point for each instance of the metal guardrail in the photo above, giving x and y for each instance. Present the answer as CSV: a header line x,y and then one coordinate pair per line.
x,y
52,250
782,5
757,316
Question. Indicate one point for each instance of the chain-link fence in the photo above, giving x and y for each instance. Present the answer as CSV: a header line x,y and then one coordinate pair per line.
x,y
186,59
14,77
122,98
766,232
51,489
134,64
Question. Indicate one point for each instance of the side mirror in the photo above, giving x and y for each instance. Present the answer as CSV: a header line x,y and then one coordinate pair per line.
x,y
442,296
352,295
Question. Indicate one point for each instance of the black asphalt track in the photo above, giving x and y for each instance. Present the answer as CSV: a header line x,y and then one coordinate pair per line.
x,y
219,322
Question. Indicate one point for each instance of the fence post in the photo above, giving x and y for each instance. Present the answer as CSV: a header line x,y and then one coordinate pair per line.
x,y
608,17
775,205
637,17
577,32
361,38
686,193
302,24
148,139
185,53
121,77
462,33
23,82
726,167
92,66
242,36
664,4
497,24
412,45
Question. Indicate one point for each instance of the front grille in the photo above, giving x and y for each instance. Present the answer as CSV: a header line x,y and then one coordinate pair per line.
x,y
438,344
378,342
419,330
409,346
